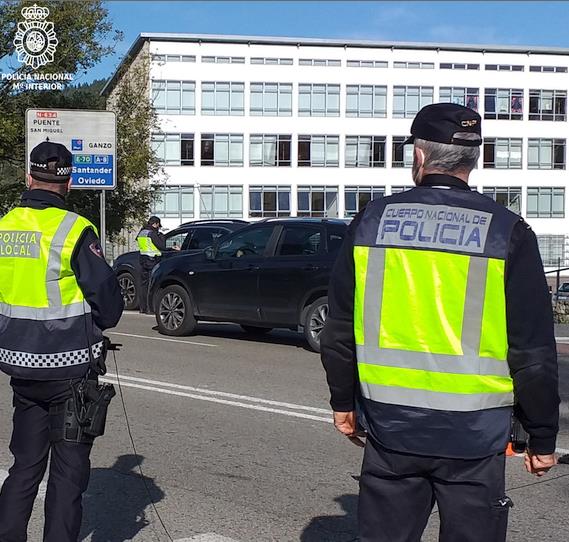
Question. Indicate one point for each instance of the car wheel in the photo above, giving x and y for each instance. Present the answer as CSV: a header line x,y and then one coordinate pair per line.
x,y
256,330
129,291
174,312
314,322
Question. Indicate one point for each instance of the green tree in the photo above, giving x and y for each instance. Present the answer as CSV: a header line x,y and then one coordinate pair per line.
x,y
86,36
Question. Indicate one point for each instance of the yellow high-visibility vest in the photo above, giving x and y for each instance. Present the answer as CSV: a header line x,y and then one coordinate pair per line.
x,y
46,325
145,244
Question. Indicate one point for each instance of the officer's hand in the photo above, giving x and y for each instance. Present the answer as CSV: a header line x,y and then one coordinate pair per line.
x,y
345,422
539,464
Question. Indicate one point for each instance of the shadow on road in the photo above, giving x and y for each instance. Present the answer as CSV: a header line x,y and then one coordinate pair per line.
x,y
334,528
114,504
234,332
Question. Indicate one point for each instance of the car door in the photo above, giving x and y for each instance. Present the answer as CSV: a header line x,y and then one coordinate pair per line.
x,y
227,288
295,268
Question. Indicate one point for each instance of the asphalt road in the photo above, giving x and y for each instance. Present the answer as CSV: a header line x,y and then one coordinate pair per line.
x,y
235,441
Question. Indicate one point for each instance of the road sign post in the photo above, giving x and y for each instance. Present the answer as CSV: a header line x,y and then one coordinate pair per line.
x,y
90,136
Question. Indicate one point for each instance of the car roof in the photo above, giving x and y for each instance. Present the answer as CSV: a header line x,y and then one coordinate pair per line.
x,y
305,220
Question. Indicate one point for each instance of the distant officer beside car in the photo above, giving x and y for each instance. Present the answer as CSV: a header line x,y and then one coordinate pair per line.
x,y
151,244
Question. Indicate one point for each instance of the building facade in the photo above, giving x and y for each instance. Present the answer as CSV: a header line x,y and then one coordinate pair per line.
x,y
255,127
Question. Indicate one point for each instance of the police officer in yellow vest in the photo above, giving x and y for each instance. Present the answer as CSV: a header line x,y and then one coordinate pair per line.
x,y
57,295
439,311
151,244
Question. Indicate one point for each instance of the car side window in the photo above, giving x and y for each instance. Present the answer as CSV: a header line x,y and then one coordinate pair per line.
x,y
335,240
299,241
245,244
203,238
176,239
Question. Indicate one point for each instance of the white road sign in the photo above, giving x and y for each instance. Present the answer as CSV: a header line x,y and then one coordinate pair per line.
x,y
89,135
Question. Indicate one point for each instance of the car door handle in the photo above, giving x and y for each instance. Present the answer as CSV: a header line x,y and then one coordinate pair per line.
x,y
252,267
311,268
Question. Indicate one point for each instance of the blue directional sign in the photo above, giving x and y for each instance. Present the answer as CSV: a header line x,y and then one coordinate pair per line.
x,y
89,135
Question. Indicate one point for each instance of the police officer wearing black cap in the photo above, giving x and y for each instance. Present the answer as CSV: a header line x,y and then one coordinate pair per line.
x,y
151,244
440,326
57,295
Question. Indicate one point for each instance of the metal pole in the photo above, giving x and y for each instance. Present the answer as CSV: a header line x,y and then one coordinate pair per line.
x,y
558,274
102,230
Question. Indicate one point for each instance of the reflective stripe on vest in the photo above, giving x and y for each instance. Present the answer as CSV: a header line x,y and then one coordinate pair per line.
x,y
42,308
145,244
430,329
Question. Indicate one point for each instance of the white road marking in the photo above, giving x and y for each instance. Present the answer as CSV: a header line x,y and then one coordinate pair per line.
x,y
205,391
203,397
41,491
207,537
160,339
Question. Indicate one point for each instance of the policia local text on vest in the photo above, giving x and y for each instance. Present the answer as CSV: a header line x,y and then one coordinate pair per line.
x,y
439,310
57,295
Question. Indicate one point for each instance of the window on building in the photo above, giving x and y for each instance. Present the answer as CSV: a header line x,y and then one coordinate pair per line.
x,y
271,61
174,149
402,154
502,153
458,66
269,150
366,101
552,250
271,99
315,100
408,100
503,103
269,201
415,65
365,151
546,153
224,59
174,97
318,201
366,64
357,197
504,67
465,96
222,150
223,98
547,105
318,151
221,201
546,202
548,69
173,58
510,197
319,62
174,202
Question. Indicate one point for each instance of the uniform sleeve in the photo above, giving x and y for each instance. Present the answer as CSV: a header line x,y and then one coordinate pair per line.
x,y
532,352
337,344
158,239
97,281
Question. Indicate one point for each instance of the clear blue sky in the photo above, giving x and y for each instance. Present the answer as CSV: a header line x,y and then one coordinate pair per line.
x,y
506,23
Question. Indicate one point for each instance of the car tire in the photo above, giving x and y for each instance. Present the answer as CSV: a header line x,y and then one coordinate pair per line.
x,y
174,312
314,322
256,330
129,291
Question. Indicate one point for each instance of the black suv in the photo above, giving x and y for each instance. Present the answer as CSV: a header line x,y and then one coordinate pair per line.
x,y
191,237
270,274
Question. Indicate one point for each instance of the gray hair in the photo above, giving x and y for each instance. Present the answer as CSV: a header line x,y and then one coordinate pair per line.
x,y
450,158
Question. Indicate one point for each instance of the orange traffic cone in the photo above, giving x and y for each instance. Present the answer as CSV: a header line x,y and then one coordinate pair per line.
x,y
510,450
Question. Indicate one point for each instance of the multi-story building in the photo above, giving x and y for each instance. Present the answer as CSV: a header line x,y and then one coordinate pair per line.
x,y
254,127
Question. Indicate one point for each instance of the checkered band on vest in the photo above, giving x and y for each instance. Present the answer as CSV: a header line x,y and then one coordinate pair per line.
x,y
49,361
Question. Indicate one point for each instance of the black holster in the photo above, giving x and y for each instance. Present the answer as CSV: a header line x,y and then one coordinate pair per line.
x,y
82,417
519,437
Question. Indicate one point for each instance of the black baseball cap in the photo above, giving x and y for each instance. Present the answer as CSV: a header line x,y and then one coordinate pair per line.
x,y
442,123
51,163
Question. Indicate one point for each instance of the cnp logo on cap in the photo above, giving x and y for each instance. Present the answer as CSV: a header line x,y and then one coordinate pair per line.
x,y
447,123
